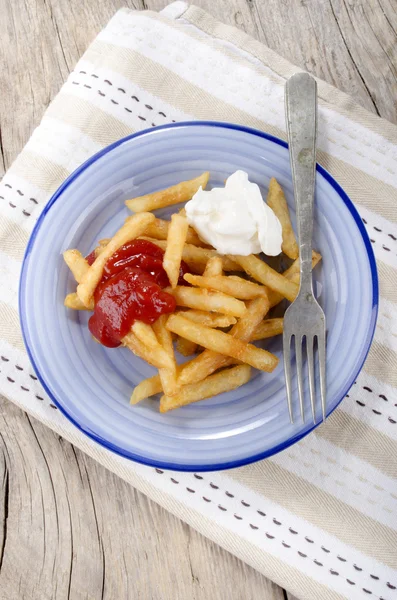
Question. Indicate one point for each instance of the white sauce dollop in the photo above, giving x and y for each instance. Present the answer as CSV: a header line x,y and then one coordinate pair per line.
x,y
235,219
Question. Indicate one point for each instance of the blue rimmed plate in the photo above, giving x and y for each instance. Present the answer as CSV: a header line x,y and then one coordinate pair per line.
x,y
92,384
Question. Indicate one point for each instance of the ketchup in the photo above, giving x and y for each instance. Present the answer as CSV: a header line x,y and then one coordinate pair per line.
x,y
91,257
130,290
129,295
146,256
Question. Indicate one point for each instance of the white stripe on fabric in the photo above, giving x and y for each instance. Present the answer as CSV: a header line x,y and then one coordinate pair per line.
x,y
386,327
22,202
126,93
270,535
380,416
113,103
61,143
383,235
333,479
359,474
209,68
9,272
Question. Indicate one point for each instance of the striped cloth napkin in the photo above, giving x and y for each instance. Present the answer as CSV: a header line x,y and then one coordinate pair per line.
x,y
321,517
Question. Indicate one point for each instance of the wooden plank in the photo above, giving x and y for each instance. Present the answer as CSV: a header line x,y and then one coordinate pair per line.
x,y
75,530
41,42
68,527
352,45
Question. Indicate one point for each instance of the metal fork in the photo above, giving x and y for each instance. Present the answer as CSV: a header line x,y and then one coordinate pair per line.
x,y
304,319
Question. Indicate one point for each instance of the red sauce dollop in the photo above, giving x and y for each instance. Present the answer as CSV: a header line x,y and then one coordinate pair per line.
x,y
146,256
130,290
129,295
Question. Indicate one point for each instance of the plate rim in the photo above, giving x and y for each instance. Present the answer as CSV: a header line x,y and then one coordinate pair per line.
x,y
229,464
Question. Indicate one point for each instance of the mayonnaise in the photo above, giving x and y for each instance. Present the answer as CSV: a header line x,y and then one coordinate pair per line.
x,y
235,219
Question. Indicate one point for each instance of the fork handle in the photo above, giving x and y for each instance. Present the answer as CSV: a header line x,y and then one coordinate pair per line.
x,y
301,116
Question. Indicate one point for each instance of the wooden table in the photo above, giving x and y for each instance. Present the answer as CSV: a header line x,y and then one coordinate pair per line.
x,y
68,527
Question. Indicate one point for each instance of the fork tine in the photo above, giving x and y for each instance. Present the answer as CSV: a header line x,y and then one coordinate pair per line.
x,y
287,371
310,363
321,360
298,354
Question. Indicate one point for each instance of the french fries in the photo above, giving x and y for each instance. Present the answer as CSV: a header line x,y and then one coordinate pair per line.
x,y
159,230
173,253
167,375
268,329
181,192
233,286
129,231
149,387
146,388
277,202
185,347
295,267
292,274
214,267
207,301
73,301
197,258
246,326
209,319
146,335
76,263
101,246
225,381
156,357
259,270
218,300
209,361
223,343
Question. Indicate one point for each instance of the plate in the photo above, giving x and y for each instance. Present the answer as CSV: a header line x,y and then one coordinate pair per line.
x,y
91,384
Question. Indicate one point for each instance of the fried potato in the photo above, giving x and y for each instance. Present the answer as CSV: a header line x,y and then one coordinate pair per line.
x,y
129,231
197,257
146,388
207,301
233,286
76,263
268,329
173,251
181,192
225,381
292,274
224,343
295,267
259,270
153,356
185,347
149,387
159,231
147,337
209,319
73,301
214,267
277,202
167,375
209,361
101,246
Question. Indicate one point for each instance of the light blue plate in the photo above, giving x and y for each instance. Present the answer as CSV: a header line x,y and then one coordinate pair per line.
x,y
92,384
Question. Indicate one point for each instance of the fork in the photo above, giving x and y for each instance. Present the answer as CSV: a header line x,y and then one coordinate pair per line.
x,y
304,319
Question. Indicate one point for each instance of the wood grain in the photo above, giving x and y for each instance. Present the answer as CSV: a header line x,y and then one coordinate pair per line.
x,y
69,529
